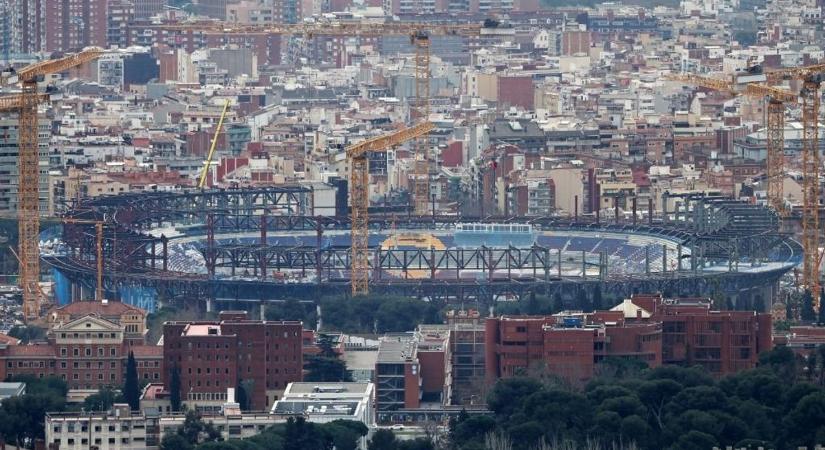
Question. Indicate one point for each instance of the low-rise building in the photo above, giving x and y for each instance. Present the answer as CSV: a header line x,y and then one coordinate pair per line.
x,y
325,402
122,429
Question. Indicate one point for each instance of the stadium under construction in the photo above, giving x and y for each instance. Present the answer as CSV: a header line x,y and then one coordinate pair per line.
x,y
256,245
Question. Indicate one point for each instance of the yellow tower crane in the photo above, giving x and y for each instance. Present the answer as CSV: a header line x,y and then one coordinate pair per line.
x,y
208,163
776,100
809,97
360,200
29,168
419,34
812,77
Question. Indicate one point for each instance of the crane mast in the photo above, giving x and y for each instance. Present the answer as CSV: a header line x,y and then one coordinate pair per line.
x,y
810,189
811,165
28,188
421,180
359,197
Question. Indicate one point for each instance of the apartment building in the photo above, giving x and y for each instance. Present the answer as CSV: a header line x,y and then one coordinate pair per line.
x,y
9,163
413,369
723,342
568,344
263,357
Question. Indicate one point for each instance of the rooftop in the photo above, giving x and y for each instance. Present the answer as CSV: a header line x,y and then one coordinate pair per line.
x,y
202,330
11,389
327,389
396,349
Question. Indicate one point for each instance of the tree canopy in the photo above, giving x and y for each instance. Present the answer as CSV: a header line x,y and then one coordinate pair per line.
x,y
663,408
22,418
295,434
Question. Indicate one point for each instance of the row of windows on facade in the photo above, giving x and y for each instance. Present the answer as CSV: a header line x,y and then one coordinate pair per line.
x,y
88,351
200,357
87,335
217,371
88,377
71,427
99,441
240,343
208,383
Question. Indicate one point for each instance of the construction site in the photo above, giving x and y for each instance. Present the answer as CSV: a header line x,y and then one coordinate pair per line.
x,y
225,245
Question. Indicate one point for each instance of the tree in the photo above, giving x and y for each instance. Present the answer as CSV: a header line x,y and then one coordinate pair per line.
x,y
508,393
806,421
383,439
345,433
22,418
325,343
807,312
131,389
174,441
241,398
416,444
583,301
28,333
597,297
324,369
102,400
300,434
557,304
195,431
781,361
174,389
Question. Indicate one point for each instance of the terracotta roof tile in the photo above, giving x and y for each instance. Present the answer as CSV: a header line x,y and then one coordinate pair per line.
x,y
31,350
8,340
85,308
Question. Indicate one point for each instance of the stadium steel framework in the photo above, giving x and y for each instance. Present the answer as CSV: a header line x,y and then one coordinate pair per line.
x,y
722,244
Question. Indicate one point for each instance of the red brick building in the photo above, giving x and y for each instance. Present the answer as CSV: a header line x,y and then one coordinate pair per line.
x,y
646,327
567,344
261,356
723,342
87,345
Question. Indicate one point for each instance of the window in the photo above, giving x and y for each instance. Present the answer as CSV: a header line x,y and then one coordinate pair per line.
x,y
88,351
76,352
